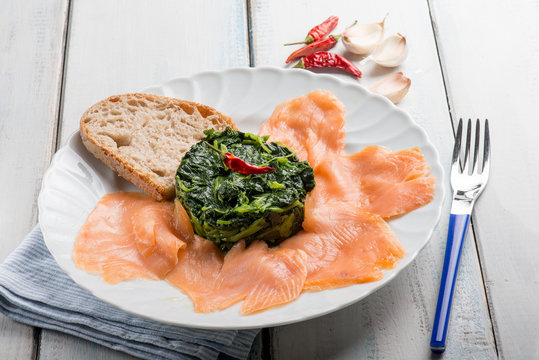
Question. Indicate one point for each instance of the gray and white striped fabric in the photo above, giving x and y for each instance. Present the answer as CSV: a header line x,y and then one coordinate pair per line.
x,y
35,291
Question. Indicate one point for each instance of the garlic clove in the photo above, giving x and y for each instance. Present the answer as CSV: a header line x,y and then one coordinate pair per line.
x,y
362,39
394,87
391,52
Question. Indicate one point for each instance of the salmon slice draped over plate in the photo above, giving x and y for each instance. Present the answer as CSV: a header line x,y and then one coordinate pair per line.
x,y
312,125
377,180
260,276
130,235
345,245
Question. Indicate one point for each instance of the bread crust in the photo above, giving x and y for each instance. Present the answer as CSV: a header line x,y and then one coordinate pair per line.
x,y
123,167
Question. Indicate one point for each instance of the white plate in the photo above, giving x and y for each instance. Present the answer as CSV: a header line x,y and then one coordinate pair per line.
x,y
76,180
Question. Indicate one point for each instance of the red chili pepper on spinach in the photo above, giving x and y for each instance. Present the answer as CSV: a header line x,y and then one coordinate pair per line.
x,y
238,165
324,59
319,31
319,45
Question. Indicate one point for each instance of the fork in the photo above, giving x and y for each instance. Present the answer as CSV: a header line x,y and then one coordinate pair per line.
x,y
467,185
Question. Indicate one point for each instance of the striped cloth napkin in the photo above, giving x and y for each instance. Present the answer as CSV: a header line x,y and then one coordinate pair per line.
x,y
35,291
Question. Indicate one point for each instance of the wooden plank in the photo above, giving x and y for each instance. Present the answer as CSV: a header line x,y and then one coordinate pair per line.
x,y
138,44
16,340
31,37
395,322
489,52
124,46
56,345
31,48
257,349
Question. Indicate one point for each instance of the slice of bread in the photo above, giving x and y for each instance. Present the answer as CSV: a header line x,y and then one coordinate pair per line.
x,y
144,137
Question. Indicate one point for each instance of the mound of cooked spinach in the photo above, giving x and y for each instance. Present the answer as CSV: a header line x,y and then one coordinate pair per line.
x,y
226,206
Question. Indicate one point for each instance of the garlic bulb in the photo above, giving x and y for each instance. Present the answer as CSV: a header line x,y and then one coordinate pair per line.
x,y
362,39
394,87
391,52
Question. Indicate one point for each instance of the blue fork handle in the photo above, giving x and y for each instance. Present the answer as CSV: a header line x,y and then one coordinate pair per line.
x,y
455,238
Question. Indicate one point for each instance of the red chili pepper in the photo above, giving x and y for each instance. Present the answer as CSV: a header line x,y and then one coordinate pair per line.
x,y
238,165
319,31
324,59
319,45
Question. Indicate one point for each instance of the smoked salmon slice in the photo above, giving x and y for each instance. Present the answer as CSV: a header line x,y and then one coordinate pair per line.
x,y
345,245
312,125
197,271
279,279
261,276
377,180
130,235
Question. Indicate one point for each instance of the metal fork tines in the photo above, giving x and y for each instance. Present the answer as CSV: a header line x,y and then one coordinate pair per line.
x,y
469,175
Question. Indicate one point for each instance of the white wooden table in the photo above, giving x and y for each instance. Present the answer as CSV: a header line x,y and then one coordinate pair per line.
x,y
467,59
